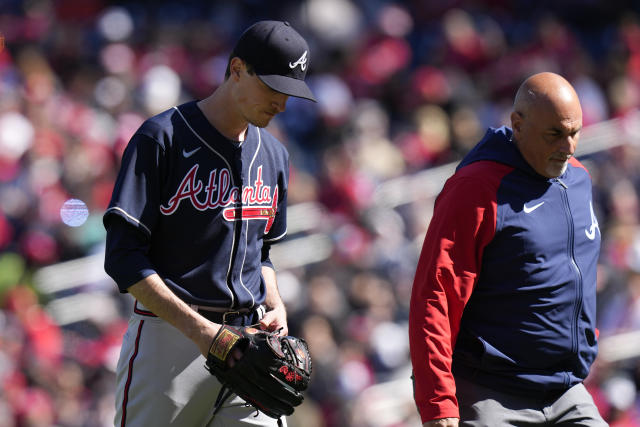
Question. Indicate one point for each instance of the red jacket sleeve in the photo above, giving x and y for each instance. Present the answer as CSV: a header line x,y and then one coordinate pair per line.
x,y
463,223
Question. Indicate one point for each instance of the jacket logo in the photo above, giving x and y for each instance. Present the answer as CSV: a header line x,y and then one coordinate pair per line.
x,y
591,231
257,201
302,62
528,209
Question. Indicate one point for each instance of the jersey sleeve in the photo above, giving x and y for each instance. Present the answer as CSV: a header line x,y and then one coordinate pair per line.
x,y
463,223
133,212
126,254
136,194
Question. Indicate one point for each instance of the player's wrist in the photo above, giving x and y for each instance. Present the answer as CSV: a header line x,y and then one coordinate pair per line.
x,y
278,306
206,338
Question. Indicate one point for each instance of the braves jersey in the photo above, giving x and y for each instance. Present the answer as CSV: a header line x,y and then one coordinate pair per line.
x,y
505,288
206,208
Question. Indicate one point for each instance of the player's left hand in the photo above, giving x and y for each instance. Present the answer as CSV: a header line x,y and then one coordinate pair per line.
x,y
275,320
272,372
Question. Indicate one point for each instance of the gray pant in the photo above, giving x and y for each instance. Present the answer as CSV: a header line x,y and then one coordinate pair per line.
x,y
482,406
161,381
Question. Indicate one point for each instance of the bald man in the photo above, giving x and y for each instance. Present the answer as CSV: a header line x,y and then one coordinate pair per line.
x,y
502,318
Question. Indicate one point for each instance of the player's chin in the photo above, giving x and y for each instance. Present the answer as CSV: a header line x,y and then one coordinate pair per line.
x,y
263,121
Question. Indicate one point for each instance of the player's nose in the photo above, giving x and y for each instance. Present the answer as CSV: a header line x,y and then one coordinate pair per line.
x,y
279,102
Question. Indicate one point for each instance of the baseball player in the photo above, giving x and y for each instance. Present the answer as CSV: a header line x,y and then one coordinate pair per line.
x,y
200,198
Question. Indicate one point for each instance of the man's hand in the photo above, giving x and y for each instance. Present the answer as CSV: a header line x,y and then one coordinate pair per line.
x,y
275,319
442,422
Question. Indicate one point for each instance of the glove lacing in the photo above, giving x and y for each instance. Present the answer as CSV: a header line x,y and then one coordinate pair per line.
x,y
223,395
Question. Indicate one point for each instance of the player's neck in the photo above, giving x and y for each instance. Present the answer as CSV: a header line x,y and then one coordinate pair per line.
x,y
217,109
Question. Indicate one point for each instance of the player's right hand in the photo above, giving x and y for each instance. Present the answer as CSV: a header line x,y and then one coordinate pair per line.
x,y
442,422
275,320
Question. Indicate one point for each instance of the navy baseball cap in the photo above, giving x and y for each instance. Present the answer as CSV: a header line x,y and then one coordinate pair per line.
x,y
278,55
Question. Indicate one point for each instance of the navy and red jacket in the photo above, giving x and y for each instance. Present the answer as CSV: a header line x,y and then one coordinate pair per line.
x,y
505,288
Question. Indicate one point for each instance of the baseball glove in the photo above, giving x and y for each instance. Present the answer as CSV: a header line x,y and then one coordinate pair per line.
x,y
272,373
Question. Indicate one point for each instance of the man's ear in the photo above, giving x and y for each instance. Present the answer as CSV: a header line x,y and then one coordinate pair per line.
x,y
516,122
235,68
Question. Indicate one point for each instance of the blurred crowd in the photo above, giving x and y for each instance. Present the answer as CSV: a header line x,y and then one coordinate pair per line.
x,y
402,86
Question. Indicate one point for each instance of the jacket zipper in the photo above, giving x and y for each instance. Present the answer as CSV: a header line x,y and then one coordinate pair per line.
x,y
571,254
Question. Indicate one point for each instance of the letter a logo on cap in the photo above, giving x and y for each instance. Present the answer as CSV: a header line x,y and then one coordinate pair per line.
x,y
302,61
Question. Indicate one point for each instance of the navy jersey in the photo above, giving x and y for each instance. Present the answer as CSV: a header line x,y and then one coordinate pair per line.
x,y
207,206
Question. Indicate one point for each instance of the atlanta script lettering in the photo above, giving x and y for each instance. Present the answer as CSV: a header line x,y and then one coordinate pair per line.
x,y
218,192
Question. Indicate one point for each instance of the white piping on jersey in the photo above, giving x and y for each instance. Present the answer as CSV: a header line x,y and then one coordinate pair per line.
x,y
233,241
273,239
244,257
246,233
132,218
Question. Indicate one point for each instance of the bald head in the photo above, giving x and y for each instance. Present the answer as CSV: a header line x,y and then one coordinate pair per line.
x,y
545,90
546,122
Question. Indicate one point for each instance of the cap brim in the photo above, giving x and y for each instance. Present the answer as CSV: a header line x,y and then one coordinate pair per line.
x,y
288,86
